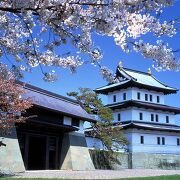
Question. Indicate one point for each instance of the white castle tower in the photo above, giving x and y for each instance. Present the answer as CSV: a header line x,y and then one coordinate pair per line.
x,y
137,101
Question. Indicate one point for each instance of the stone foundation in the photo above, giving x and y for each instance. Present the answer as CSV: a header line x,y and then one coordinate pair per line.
x,y
75,154
137,161
155,161
10,156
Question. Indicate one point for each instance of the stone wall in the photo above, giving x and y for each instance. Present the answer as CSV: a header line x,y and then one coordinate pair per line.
x,y
10,156
155,161
106,160
75,154
102,160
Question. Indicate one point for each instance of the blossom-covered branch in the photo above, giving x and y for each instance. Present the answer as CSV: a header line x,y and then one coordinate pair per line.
x,y
26,24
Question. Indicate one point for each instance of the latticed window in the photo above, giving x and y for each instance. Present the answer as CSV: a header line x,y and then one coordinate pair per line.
x,y
178,141
152,117
163,140
158,99
150,97
114,98
146,97
119,117
157,118
142,139
167,119
124,96
138,96
140,116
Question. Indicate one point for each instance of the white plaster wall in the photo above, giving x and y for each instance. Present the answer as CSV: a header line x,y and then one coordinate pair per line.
x,y
133,114
119,95
150,142
144,91
94,143
131,94
147,115
67,120
129,137
126,115
81,127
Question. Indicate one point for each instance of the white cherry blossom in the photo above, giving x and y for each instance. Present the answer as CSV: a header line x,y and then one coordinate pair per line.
x,y
32,32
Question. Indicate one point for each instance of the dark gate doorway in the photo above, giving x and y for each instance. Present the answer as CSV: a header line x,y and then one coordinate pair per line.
x,y
37,153
40,139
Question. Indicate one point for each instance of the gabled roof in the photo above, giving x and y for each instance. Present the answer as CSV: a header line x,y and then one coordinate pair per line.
x,y
145,105
57,103
131,78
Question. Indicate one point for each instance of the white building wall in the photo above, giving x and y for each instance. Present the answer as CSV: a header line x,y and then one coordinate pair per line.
x,y
150,141
94,143
132,114
67,120
142,95
126,115
119,95
147,116
131,94
81,127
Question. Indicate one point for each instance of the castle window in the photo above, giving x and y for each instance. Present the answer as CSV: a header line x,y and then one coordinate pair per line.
x,y
167,119
114,98
138,95
157,118
146,97
158,99
163,140
178,142
158,141
150,97
124,96
119,117
140,116
152,117
142,139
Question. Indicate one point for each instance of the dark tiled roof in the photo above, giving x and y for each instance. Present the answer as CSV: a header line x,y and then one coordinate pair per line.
x,y
131,78
145,105
150,126
58,103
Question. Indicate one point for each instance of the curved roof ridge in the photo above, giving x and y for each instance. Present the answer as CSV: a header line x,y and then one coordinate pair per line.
x,y
163,83
142,72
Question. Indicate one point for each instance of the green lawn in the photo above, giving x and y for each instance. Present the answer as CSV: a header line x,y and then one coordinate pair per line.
x,y
171,177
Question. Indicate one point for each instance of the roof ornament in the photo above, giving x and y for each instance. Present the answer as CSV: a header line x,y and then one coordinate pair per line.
x,y
120,65
149,71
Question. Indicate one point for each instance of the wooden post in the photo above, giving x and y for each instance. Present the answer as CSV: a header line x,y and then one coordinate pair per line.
x,y
26,152
47,153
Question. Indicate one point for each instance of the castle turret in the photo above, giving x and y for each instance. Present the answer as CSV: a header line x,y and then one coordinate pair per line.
x,y
137,101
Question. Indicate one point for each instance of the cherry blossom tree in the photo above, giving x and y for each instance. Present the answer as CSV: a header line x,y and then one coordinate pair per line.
x,y
12,104
33,31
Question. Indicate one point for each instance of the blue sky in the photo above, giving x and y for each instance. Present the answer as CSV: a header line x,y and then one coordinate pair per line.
x,y
89,76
